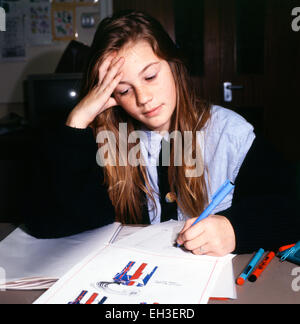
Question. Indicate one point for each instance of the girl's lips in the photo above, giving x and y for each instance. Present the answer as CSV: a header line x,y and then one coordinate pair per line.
x,y
153,112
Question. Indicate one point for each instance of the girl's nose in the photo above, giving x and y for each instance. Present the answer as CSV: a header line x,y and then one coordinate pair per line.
x,y
143,96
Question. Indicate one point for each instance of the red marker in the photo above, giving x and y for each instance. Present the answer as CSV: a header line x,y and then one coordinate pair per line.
x,y
254,276
286,247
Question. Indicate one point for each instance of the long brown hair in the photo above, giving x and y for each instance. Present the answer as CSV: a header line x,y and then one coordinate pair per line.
x,y
128,184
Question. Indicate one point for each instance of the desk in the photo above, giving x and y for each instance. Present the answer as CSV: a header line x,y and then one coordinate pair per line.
x,y
273,287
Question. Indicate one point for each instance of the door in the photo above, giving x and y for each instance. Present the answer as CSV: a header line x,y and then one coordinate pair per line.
x,y
251,45
232,74
242,57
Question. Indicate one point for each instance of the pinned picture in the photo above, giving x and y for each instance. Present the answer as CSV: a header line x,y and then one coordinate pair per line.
x,y
39,23
63,22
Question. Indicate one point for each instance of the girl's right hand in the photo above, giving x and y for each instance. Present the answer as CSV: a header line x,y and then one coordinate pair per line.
x,y
99,98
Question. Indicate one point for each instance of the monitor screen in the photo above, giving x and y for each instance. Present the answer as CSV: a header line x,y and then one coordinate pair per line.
x,y
50,97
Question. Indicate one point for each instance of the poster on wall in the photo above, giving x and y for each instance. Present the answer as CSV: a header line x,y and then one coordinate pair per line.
x,y
39,23
63,22
12,41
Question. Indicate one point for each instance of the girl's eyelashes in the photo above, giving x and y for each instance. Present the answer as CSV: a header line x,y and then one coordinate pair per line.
x,y
150,77
123,93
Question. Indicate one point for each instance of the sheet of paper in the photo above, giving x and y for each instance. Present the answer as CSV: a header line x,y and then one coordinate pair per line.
x,y
120,275
23,256
161,238
225,286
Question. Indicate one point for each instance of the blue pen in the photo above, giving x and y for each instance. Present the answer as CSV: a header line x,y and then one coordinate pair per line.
x,y
219,196
250,267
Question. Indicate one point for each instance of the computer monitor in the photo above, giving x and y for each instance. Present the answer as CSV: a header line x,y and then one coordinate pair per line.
x,y
50,97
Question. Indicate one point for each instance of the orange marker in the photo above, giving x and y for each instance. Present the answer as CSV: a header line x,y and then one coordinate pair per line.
x,y
254,276
286,247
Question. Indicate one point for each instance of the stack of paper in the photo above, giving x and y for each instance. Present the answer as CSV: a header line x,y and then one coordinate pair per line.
x,y
30,263
144,267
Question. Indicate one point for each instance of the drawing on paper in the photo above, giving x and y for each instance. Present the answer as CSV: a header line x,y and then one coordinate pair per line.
x,y
129,280
93,299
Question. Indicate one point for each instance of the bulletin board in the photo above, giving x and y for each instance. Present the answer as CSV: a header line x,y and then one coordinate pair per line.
x,y
38,22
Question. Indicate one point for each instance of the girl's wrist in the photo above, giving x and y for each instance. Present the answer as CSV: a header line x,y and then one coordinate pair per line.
x,y
75,121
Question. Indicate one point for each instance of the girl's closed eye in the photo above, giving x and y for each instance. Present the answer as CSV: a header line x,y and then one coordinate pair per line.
x,y
123,92
151,77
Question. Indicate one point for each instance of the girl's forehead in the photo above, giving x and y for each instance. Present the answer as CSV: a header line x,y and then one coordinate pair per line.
x,y
138,56
137,51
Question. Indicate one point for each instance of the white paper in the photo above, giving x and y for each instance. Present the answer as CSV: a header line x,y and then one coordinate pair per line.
x,y
225,286
157,272
155,278
161,238
23,256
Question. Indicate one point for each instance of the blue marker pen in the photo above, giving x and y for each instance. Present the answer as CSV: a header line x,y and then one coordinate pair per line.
x,y
219,196
250,267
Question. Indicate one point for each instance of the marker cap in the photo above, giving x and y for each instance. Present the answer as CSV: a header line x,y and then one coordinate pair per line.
x,y
252,278
240,281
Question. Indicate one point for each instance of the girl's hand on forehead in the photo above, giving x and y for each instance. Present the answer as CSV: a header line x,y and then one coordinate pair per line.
x,y
109,69
100,98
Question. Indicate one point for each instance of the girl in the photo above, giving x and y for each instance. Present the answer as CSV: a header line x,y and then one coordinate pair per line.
x,y
135,79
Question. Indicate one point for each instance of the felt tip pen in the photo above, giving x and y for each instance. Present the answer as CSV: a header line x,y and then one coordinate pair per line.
x,y
219,196
286,247
250,267
262,266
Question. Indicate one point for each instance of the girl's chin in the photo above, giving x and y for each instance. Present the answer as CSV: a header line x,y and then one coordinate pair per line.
x,y
158,128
